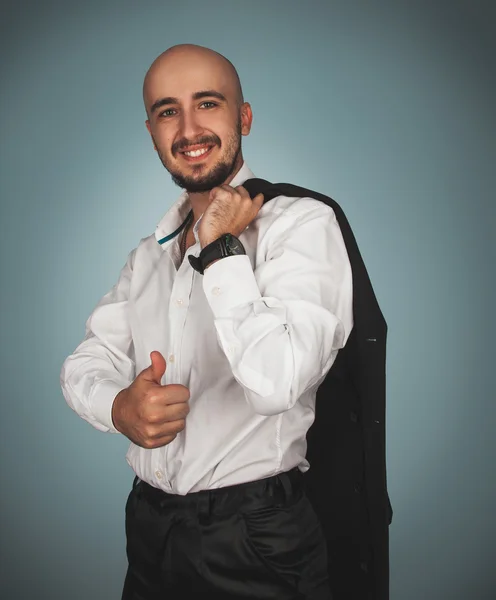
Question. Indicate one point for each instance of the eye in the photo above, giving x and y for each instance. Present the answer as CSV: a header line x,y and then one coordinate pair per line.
x,y
167,112
211,104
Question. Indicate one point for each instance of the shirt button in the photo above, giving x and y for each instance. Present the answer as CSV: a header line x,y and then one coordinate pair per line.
x,y
216,291
179,302
158,474
172,358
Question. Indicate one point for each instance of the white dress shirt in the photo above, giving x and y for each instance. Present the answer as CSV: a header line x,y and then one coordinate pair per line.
x,y
252,339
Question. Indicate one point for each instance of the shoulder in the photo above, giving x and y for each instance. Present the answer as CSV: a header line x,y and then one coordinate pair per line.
x,y
144,251
289,210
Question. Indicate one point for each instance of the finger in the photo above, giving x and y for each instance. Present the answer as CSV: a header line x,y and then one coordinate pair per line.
x,y
213,192
258,201
158,365
221,189
175,393
174,412
170,428
243,192
152,434
157,368
224,191
149,444
159,399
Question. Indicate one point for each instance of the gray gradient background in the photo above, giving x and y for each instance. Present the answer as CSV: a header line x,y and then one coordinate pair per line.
x,y
389,108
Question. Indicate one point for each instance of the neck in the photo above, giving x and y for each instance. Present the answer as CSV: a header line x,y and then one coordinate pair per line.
x,y
200,200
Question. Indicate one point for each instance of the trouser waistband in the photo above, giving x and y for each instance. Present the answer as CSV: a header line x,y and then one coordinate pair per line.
x,y
278,490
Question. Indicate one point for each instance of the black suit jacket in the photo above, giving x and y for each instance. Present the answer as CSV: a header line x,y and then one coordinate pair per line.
x,y
346,482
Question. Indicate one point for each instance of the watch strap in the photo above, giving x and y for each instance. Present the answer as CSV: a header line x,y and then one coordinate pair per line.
x,y
213,251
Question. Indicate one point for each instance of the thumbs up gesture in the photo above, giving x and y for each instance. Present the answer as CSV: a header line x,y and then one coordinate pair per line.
x,y
148,413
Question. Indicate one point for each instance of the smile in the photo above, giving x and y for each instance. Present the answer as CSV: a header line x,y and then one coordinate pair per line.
x,y
197,153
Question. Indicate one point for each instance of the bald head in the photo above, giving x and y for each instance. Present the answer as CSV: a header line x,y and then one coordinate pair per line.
x,y
184,62
195,104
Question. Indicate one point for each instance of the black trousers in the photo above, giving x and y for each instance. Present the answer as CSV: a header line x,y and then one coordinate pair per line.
x,y
256,540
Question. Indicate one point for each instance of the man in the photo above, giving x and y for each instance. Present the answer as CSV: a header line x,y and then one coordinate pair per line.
x,y
212,374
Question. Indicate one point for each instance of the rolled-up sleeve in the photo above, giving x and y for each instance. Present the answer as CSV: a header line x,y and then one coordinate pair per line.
x,y
282,323
103,364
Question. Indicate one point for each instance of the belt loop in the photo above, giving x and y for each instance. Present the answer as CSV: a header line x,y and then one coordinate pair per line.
x,y
204,506
286,484
135,482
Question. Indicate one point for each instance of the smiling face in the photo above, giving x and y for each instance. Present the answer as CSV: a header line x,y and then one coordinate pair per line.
x,y
196,116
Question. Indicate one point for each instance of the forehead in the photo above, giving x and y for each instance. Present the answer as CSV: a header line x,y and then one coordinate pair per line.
x,y
181,77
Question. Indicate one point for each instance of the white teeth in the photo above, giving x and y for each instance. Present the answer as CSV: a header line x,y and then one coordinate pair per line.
x,y
197,152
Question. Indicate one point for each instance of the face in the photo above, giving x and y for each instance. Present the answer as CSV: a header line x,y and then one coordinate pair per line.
x,y
196,123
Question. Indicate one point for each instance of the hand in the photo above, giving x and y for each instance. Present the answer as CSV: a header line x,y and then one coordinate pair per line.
x,y
231,210
148,413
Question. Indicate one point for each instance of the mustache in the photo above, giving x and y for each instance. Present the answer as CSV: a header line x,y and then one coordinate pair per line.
x,y
184,143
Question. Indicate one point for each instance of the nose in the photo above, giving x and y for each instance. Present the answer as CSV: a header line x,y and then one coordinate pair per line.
x,y
190,126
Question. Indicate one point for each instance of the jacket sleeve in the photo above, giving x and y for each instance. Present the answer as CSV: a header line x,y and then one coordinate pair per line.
x,y
103,364
282,323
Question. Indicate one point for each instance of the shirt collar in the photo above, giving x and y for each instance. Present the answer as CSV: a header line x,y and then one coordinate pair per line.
x,y
174,220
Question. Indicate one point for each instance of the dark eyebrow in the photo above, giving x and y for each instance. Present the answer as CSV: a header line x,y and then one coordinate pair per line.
x,y
196,96
163,102
209,94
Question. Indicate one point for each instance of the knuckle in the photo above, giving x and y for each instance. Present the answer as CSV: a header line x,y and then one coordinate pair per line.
x,y
153,417
148,444
144,414
149,432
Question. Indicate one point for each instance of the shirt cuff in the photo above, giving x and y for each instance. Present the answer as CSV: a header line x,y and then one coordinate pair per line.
x,y
230,282
102,401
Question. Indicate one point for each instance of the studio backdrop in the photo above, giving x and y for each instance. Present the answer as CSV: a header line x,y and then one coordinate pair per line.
x,y
386,106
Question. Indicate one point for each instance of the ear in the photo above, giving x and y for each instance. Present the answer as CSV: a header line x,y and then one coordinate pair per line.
x,y
148,126
246,118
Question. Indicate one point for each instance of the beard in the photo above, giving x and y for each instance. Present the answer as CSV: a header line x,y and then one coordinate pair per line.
x,y
204,181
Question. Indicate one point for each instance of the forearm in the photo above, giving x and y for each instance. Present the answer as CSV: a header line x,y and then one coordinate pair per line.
x,y
91,378
277,349
103,363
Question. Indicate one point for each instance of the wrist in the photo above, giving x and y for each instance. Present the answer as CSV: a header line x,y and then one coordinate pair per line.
x,y
212,263
208,240
227,244
115,413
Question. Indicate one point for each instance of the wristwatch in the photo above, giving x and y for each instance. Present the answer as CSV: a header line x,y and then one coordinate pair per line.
x,y
226,245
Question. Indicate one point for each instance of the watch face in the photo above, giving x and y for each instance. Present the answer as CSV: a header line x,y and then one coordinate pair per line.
x,y
233,245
